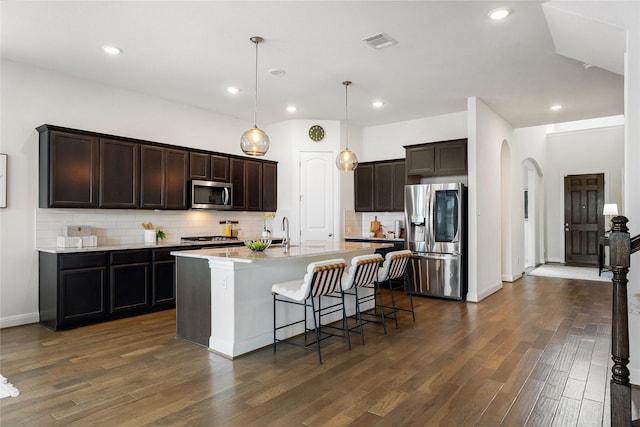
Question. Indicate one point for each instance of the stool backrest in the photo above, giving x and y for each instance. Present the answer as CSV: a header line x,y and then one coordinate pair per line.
x,y
324,277
362,271
394,265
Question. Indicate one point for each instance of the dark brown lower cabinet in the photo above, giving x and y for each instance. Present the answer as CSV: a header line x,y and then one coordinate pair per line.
x,y
163,290
73,289
129,281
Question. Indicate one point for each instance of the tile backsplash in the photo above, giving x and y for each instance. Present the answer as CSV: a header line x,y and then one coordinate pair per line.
x,y
116,227
356,224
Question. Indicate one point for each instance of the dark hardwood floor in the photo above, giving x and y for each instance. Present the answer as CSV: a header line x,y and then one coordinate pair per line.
x,y
534,354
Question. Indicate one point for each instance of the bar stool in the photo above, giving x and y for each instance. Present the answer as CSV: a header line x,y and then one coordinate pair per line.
x,y
322,278
361,274
394,266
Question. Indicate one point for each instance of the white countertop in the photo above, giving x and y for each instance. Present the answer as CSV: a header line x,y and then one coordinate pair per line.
x,y
277,252
375,239
163,244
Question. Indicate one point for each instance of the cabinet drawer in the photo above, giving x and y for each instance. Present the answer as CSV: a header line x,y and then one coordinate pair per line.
x,y
130,257
82,260
164,254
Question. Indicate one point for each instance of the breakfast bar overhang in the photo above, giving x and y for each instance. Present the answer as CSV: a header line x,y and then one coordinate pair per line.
x,y
223,295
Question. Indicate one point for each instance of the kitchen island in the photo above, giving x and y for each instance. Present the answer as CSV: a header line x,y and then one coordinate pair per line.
x,y
224,296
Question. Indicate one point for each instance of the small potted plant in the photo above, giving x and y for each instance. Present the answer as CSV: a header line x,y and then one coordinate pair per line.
x,y
160,234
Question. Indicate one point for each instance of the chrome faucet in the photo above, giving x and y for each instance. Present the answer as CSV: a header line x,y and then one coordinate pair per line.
x,y
285,228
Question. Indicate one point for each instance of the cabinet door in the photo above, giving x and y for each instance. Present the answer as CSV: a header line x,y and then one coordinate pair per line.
x,y
420,160
177,176
219,168
237,167
73,171
129,280
152,167
199,166
363,188
164,285
269,187
383,188
83,295
398,186
253,184
119,174
163,288
451,158
129,287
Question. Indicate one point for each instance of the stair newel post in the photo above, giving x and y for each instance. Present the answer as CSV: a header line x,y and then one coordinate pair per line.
x,y
620,254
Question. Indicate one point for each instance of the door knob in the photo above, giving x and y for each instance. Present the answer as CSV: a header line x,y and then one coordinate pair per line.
x,y
330,234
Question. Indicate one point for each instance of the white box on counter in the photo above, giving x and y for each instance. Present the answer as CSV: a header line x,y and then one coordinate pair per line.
x,y
76,230
76,241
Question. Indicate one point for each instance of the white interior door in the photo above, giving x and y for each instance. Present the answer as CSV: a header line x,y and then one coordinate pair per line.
x,y
317,197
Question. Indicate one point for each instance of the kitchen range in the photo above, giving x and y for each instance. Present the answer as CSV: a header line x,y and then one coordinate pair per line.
x,y
435,215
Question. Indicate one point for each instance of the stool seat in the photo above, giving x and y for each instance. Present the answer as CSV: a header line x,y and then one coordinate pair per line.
x,y
322,279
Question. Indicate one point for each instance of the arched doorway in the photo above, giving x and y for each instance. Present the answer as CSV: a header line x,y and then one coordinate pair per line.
x,y
533,218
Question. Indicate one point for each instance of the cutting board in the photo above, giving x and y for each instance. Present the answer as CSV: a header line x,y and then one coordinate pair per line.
x,y
376,227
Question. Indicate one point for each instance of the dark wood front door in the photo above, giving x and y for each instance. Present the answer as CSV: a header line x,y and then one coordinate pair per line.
x,y
583,220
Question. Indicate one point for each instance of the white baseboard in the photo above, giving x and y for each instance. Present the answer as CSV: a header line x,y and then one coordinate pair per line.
x,y
489,291
511,278
20,319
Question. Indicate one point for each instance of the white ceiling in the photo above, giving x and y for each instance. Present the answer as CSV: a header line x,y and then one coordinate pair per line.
x,y
190,52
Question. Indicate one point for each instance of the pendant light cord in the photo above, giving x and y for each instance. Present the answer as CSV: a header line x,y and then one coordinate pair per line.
x,y
346,111
255,99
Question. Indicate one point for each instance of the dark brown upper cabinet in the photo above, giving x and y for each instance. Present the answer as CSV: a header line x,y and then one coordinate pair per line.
x,y
254,185
164,176
220,168
199,165
363,187
269,187
68,169
119,174
379,186
82,169
444,158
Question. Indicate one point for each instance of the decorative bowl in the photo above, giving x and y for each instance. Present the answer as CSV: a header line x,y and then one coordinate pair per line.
x,y
258,245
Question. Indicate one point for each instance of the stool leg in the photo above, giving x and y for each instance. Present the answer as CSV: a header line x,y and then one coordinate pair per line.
x,y
345,325
393,303
413,314
359,315
376,292
274,323
315,325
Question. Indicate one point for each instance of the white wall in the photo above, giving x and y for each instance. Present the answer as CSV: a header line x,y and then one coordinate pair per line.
x,y
386,142
487,132
31,97
580,152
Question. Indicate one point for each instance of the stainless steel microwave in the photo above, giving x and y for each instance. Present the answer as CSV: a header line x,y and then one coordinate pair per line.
x,y
211,195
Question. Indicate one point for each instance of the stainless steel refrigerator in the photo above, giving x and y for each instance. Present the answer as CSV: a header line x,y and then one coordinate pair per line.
x,y
436,222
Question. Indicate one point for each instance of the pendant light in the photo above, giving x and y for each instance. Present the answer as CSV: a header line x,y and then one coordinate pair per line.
x,y
255,142
346,160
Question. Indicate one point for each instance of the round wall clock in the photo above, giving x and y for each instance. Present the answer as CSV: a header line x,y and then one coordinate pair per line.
x,y
316,133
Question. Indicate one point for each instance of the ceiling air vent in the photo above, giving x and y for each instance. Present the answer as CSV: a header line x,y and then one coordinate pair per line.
x,y
379,41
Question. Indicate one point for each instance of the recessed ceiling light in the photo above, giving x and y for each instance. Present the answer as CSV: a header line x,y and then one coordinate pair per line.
x,y
499,13
112,50
377,104
292,108
556,107
233,90
276,72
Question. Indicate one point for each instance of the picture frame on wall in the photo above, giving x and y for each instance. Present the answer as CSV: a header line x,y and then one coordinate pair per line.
x,y
3,180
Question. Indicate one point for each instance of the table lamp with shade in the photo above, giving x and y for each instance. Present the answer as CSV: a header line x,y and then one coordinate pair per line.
x,y
610,209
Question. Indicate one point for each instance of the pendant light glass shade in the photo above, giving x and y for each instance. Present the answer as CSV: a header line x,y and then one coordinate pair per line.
x,y
255,141
347,159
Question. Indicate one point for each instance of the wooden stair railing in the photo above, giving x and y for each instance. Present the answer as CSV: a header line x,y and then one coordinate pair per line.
x,y
621,247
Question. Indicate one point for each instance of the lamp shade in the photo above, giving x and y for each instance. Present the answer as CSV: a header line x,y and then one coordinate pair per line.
x,y
347,160
254,142
610,209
